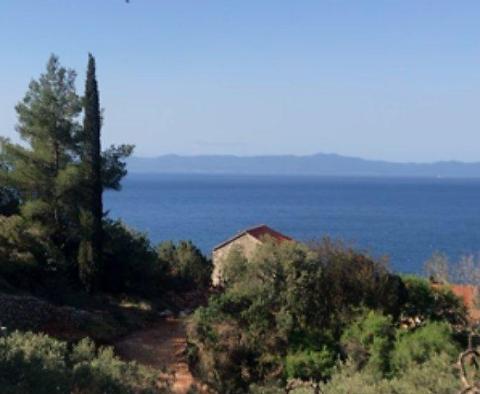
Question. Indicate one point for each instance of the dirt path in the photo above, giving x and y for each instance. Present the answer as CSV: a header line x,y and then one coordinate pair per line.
x,y
161,347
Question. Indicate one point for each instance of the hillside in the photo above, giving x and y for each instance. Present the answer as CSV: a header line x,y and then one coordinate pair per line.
x,y
318,164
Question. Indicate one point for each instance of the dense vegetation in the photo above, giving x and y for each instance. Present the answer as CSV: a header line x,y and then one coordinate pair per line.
x,y
325,314
65,267
36,363
54,235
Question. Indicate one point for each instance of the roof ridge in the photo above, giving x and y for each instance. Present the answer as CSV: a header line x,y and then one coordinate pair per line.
x,y
251,231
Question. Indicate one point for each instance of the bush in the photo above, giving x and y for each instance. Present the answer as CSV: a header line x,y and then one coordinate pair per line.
x,y
234,267
33,364
36,363
131,264
281,311
438,375
188,267
22,253
423,344
368,342
434,303
310,364
292,311
373,344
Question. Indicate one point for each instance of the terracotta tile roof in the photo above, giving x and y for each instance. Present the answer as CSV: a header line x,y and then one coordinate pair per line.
x,y
258,232
467,293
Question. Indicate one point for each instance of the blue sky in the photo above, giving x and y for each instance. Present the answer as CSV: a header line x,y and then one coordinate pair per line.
x,y
396,80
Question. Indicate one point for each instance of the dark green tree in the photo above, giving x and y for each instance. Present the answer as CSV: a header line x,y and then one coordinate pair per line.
x,y
101,170
90,249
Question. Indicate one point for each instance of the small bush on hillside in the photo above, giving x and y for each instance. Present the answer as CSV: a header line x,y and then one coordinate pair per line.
x,y
375,345
310,363
23,253
38,364
369,341
422,344
438,375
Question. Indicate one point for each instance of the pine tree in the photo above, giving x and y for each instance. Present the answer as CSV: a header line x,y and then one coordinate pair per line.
x,y
56,178
44,172
90,250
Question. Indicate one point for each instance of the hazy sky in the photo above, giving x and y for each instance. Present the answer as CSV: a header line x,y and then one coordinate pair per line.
x,y
396,80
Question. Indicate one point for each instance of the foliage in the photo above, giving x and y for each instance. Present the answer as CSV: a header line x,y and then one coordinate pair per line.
x,y
36,363
438,375
427,302
284,311
91,213
374,344
49,180
114,167
44,172
187,266
234,267
130,262
423,344
22,252
310,363
89,269
368,342
9,202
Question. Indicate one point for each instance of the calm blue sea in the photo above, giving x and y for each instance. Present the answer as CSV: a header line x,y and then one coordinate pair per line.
x,y
406,219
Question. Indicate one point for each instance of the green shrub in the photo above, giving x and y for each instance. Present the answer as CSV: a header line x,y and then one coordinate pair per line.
x,y
423,344
32,363
38,364
282,309
23,253
368,342
234,267
310,364
427,302
131,263
438,375
188,267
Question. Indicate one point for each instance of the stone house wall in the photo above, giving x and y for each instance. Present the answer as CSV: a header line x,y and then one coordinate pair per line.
x,y
246,243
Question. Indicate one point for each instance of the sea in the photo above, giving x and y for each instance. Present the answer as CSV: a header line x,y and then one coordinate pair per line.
x,y
404,219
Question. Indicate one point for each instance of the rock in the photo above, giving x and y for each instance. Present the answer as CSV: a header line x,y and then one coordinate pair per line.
x,y
33,314
166,313
185,312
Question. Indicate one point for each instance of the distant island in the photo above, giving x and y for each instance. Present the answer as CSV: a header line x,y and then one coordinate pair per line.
x,y
317,164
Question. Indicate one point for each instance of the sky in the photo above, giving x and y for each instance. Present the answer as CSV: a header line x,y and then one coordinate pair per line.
x,y
395,80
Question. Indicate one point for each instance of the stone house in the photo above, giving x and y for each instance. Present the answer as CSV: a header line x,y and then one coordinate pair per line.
x,y
246,241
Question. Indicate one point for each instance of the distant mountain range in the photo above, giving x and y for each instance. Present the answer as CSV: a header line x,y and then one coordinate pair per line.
x,y
318,164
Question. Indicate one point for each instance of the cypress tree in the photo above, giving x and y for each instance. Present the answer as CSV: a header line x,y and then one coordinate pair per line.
x,y
90,250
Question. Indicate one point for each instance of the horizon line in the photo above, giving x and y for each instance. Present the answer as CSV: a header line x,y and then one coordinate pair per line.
x,y
291,155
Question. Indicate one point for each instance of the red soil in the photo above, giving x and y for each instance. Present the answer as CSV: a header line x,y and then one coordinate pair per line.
x,y
161,347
